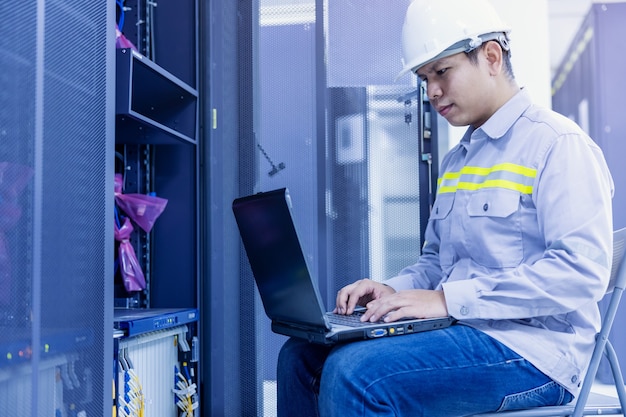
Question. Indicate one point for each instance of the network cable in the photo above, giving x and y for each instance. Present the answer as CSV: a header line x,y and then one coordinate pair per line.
x,y
120,23
131,402
187,399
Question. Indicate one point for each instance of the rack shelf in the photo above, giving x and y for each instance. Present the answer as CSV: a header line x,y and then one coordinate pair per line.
x,y
152,105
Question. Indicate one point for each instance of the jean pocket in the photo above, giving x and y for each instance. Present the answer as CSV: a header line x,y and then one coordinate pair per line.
x,y
545,395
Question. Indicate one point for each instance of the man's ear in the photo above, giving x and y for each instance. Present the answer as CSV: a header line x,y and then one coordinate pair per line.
x,y
493,55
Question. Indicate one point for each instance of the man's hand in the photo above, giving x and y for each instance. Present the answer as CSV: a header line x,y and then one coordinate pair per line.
x,y
360,293
419,304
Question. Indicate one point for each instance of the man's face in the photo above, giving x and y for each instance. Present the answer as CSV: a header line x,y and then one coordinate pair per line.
x,y
458,89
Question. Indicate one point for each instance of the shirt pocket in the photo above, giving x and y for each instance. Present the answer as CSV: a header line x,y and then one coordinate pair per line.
x,y
494,228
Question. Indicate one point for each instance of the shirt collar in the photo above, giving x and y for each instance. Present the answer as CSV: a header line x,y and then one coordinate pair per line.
x,y
502,120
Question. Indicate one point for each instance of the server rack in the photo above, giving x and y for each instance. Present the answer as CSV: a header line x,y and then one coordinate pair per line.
x,y
589,87
157,142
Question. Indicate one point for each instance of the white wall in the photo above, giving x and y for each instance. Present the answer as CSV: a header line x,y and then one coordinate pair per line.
x,y
530,56
529,44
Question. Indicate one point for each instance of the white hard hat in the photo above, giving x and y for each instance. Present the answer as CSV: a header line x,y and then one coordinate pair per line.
x,y
434,29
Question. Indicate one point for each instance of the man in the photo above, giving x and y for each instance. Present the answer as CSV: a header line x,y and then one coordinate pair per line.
x,y
517,249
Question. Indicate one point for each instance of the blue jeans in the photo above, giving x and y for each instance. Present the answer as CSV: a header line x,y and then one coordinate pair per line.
x,y
451,372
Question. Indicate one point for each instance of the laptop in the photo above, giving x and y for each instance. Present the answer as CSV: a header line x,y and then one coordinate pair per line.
x,y
288,292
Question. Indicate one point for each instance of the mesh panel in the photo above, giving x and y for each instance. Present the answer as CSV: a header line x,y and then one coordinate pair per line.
x,y
53,166
17,91
334,129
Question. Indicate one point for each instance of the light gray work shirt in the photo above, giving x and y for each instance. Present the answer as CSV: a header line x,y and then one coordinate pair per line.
x,y
520,237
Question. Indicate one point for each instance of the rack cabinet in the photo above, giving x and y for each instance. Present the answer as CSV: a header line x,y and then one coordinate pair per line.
x,y
589,88
157,152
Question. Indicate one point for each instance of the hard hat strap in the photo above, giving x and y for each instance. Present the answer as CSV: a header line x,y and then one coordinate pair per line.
x,y
470,44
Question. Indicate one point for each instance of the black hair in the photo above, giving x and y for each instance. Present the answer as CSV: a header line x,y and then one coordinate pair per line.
x,y
506,59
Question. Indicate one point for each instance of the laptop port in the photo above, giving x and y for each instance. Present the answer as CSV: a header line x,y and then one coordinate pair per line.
x,y
378,332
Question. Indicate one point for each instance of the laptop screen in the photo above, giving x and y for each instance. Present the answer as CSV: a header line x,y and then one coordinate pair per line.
x,y
275,254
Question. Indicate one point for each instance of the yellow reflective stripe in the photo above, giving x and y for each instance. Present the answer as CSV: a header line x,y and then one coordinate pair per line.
x,y
450,176
452,183
517,169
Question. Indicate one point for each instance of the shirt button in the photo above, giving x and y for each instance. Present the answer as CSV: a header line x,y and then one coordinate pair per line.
x,y
464,311
574,379
486,207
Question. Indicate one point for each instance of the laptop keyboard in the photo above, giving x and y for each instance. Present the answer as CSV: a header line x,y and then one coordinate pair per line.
x,y
353,319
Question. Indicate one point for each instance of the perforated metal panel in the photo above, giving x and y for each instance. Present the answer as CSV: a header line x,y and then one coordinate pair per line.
x,y
55,241
292,100
334,127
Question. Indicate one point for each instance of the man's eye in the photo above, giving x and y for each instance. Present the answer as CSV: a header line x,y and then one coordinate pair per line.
x,y
442,71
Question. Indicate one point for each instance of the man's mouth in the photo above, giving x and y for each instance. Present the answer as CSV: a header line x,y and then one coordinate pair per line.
x,y
443,110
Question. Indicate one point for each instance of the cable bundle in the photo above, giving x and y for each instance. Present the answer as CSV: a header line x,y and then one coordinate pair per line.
x,y
131,403
186,397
